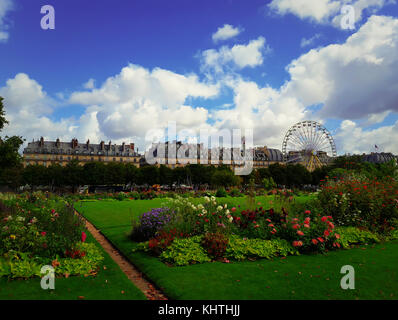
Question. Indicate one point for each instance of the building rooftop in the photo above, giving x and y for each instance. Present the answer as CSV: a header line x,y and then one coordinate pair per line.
x,y
76,148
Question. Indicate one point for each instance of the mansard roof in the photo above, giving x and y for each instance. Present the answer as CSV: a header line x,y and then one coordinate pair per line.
x,y
66,148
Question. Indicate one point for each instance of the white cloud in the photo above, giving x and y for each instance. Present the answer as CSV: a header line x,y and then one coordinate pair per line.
x,y
239,56
137,100
353,80
28,109
90,84
5,7
353,139
326,11
265,110
308,42
318,11
226,32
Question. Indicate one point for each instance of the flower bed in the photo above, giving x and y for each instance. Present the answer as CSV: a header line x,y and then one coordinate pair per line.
x,y
37,230
210,231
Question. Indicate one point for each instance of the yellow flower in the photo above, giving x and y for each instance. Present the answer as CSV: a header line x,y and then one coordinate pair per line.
x,y
12,237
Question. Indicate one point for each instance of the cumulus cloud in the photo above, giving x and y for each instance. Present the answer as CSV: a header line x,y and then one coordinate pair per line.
x,y
226,32
264,109
352,80
239,56
5,7
352,138
326,11
138,100
28,109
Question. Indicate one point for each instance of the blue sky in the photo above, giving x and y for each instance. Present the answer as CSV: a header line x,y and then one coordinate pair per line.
x,y
174,69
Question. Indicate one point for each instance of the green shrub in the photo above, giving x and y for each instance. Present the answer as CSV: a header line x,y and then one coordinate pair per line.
x,y
234,192
21,265
121,196
269,183
353,235
241,249
187,251
362,202
44,228
221,193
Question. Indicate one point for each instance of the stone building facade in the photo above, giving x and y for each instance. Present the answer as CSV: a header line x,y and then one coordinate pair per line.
x,y
47,152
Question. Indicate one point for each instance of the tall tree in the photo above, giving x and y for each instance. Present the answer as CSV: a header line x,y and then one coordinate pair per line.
x,y
9,156
3,120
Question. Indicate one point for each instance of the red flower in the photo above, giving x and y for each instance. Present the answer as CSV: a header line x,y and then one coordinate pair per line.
x,y
323,219
314,241
300,233
297,243
296,226
43,233
306,225
326,233
320,239
337,236
307,212
84,236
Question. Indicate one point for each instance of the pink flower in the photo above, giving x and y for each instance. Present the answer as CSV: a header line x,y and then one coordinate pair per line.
x,y
84,236
307,212
306,226
43,233
296,226
233,209
300,233
337,236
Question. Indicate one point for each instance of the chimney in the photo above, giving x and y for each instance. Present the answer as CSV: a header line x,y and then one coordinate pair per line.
x,y
88,143
74,143
41,144
57,143
102,145
132,146
123,146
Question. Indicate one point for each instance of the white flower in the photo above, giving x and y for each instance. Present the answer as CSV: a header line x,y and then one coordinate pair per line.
x,y
204,211
19,218
200,207
219,208
207,199
225,206
227,212
213,198
231,219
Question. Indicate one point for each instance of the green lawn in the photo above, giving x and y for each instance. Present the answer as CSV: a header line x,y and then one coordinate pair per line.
x,y
107,285
295,277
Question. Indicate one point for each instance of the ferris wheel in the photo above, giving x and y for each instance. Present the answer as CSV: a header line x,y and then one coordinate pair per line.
x,y
308,143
